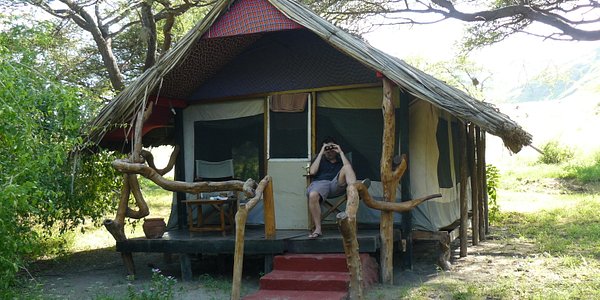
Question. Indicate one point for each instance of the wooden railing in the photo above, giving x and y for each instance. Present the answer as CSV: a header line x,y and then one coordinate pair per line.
x,y
264,190
347,223
390,177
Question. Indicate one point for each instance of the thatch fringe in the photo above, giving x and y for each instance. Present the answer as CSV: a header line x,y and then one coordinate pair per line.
x,y
423,86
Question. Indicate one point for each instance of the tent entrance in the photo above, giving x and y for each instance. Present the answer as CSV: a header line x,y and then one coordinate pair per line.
x,y
288,155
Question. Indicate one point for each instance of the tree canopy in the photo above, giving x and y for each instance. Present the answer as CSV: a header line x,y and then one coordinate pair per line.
x,y
491,21
128,36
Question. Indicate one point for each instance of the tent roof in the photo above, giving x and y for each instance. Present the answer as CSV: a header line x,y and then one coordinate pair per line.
x,y
121,110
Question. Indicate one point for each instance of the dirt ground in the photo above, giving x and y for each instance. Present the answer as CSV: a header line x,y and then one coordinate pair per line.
x,y
99,274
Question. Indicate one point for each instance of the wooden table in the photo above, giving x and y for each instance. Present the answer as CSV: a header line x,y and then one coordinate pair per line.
x,y
225,207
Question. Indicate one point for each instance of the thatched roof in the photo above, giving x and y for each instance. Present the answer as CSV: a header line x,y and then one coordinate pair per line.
x,y
423,86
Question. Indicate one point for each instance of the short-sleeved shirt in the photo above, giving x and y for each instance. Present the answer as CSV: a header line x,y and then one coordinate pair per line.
x,y
328,170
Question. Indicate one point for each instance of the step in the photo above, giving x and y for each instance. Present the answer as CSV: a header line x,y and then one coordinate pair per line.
x,y
305,281
296,295
333,262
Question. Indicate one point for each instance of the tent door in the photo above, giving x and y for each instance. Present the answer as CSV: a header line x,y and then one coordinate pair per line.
x,y
288,155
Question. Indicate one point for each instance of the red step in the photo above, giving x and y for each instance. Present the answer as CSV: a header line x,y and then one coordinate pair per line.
x,y
313,276
311,262
305,281
296,295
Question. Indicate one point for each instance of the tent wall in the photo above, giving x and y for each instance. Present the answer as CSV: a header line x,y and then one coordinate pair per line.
x,y
424,166
354,116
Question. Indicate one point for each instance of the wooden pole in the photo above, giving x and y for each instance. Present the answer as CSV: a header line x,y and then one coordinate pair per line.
x,y
486,214
480,182
474,186
464,213
348,231
269,211
389,182
238,257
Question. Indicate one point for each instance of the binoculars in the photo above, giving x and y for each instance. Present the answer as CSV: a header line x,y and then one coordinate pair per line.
x,y
327,148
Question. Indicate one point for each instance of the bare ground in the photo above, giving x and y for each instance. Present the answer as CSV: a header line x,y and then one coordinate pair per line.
x,y
99,274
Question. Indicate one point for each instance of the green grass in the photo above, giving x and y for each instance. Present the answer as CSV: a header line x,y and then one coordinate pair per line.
x,y
545,245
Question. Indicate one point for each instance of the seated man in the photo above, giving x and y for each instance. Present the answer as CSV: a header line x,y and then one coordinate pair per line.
x,y
331,172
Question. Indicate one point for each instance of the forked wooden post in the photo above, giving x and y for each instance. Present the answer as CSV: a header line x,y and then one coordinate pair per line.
x,y
238,258
348,231
263,190
389,180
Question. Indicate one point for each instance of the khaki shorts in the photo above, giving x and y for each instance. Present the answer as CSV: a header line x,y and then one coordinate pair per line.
x,y
326,188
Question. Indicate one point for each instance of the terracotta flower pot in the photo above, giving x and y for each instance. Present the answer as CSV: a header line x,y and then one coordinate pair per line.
x,y
154,228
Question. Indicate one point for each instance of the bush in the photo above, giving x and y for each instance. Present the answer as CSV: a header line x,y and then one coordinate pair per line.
x,y
493,179
554,153
43,188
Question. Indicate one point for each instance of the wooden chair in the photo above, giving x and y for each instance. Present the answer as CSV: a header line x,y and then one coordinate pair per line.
x,y
223,203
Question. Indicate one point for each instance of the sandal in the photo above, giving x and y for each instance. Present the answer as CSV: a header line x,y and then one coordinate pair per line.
x,y
314,235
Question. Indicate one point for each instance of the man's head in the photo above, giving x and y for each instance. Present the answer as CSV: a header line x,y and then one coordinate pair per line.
x,y
330,148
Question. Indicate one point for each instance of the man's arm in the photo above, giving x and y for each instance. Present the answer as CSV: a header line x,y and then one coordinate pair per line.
x,y
314,167
345,160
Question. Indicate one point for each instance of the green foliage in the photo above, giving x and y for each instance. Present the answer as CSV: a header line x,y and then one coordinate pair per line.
x,y
493,179
161,288
562,231
584,171
43,188
554,153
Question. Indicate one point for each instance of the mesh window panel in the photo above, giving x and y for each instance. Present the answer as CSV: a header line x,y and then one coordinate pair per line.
x,y
241,139
443,165
289,134
358,131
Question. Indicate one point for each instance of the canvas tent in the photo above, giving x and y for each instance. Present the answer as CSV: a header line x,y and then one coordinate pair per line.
x,y
216,93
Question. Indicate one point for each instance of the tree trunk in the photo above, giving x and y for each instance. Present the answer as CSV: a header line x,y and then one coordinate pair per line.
x,y
149,32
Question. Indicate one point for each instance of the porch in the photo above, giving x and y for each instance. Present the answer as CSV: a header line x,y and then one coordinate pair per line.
x,y
186,243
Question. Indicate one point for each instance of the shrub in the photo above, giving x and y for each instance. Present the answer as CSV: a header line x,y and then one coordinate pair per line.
x,y
493,179
161,288
43,188
554,153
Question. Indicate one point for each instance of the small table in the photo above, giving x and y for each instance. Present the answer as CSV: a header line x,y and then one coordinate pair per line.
x,y
225,208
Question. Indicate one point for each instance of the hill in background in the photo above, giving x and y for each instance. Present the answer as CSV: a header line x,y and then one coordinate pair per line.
x,y
561,81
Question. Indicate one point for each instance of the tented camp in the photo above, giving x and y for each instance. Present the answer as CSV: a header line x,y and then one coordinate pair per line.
x,y
260,82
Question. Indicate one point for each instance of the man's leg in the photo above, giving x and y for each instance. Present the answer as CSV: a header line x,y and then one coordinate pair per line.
x,y
314,206
346,176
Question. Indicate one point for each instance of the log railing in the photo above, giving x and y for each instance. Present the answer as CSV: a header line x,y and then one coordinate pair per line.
x,y
264,190
347,223
390,177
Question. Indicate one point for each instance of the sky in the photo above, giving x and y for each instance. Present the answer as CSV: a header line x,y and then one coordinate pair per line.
x,y
511,61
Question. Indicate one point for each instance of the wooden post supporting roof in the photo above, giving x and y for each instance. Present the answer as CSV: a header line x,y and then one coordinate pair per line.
x,y
480,181
406,225
389,182
464,213
471,137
